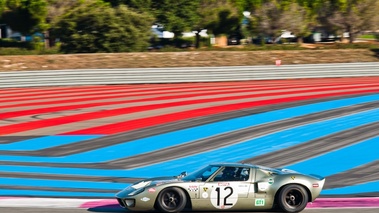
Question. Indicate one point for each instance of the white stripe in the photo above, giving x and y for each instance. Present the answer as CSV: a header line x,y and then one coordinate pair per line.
x,y
44,202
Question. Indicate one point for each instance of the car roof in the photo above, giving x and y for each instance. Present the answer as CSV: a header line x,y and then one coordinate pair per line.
x,y
233,164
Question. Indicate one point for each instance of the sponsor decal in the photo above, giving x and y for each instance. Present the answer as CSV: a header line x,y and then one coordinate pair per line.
x,y
263,186
193,188
224,197
223,184
145,199
293,177
204,195
259,202
270,181
151,190
205,189
315,185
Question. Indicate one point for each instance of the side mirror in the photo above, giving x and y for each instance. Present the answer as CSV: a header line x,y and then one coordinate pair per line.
x,y
183,174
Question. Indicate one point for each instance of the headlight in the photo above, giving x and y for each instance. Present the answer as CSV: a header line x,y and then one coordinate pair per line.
x,y
136,191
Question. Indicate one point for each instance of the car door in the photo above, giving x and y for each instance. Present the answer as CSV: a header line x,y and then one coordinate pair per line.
x,y
222,191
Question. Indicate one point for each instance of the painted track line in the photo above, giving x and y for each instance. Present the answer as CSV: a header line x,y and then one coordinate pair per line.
x,y
369,202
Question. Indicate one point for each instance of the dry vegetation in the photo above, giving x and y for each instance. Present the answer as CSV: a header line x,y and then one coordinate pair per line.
x,y
184,59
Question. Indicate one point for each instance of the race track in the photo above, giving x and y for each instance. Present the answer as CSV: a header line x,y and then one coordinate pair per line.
x,y
92,141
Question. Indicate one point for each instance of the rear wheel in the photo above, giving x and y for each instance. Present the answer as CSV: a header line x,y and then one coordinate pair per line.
x,y
171,200
293,198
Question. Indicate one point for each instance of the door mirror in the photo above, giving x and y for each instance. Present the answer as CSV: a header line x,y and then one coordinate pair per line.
x,y
183,174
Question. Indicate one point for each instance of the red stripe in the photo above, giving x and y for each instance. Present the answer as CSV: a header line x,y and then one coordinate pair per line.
x,y
154,88
80,93
12,92
53,90
13,114
129,92
121,94
108,113
159,120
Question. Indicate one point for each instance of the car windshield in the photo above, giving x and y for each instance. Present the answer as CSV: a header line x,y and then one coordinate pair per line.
x,y
203,173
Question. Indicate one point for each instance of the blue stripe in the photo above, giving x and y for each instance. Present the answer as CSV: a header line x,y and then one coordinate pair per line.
x,y
183,136
341,160
265,144
356,189
236,152
196,133
45,142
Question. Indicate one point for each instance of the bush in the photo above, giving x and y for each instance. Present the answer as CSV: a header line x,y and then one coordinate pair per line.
x,y
10,43
96,27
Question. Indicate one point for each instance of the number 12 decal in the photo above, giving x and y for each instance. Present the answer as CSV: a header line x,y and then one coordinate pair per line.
x,y
224,197
230,189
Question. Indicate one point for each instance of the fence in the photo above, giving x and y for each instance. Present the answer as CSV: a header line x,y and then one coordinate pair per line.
x,y
182,74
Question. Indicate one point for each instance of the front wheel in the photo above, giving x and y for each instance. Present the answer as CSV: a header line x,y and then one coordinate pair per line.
x,y
171,200
293,198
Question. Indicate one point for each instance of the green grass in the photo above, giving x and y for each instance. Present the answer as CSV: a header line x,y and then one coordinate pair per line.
x,y
24,51
372,36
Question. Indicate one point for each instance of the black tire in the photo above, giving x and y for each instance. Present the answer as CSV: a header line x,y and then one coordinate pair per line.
x,y
292,198
171,200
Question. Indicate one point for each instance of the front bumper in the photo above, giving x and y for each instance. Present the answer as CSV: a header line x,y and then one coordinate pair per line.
x,y
126,203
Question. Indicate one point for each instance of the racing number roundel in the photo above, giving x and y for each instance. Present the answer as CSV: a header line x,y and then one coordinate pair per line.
x,y
224,197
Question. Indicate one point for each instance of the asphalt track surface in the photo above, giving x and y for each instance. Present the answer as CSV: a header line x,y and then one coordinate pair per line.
x,y
91,141
47,210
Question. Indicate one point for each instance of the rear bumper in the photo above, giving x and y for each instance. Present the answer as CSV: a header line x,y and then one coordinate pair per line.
x,y
317,188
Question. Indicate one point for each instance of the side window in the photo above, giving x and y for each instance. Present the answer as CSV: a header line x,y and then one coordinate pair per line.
x,y
233,174
243,173
208,173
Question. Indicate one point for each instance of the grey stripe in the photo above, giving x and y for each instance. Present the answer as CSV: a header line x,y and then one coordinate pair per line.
x,y
88,145
11,139
235,137
249,133
183,74
316,147
362,174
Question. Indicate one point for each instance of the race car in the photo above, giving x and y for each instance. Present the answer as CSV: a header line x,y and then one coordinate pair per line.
x,y
224,186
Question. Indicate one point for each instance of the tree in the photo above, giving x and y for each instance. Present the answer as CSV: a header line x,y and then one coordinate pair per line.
x,y
55,10
25,16
219,16
297,20
176,16
140,5
266,20
95,26
247,5
2,6
355,16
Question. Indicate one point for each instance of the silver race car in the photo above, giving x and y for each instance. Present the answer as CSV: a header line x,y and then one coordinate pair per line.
x,y
224,186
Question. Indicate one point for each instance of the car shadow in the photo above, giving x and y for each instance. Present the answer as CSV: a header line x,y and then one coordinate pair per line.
x,y
108,208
